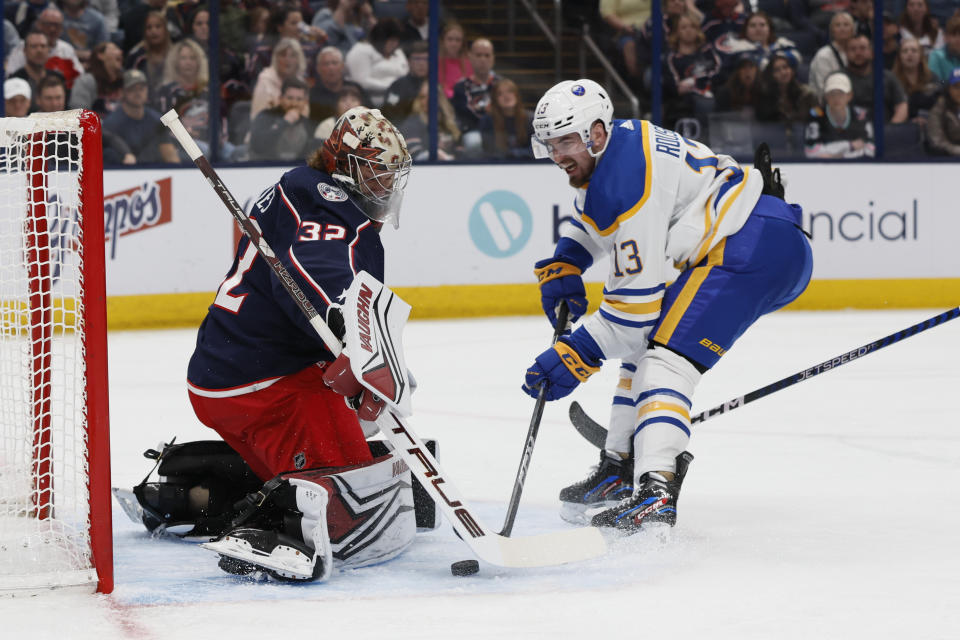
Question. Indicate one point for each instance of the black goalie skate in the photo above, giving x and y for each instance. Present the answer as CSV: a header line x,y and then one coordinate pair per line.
x,y
654,502
608,483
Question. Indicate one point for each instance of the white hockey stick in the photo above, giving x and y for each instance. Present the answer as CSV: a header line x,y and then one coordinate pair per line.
x,y
529,551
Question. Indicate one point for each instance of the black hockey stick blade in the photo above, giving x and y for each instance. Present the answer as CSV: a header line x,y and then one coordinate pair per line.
x,y
586,426
597,435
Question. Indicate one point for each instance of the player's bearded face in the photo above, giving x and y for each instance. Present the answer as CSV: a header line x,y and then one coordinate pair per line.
x,y
570,153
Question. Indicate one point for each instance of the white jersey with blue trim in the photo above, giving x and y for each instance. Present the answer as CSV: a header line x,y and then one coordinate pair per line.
x,y
654,198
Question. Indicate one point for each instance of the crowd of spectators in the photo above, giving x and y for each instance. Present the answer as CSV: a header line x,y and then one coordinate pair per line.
x,y
767,63
288,68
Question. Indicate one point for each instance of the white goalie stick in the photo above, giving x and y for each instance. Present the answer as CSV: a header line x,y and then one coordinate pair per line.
x,y
527,551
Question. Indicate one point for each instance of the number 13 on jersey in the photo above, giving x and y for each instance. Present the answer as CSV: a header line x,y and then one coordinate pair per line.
x,y
628,255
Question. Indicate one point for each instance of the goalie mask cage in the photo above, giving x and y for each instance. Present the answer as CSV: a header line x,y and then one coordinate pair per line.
x,y
55,523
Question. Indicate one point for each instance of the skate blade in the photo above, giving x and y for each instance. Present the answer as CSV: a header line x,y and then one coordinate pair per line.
x,y
283,562
574,513
236,567
582,514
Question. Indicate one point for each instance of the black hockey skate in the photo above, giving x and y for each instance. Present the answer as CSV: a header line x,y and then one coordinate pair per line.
x,y
654,502
245,551
608,483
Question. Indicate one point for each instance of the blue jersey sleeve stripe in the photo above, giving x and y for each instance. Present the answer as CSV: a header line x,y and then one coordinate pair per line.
x,y
735,178
620,400
664,392
626,366
635,292
626,323
663,419
697,164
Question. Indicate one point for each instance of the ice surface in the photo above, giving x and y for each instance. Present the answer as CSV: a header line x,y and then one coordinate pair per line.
x,y
828,510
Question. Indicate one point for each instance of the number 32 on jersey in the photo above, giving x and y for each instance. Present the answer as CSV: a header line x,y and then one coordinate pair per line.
x,y
308,231
316,231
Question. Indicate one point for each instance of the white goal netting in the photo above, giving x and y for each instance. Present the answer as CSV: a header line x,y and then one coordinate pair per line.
x,y
44,495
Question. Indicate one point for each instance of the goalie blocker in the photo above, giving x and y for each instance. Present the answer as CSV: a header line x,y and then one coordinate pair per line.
x,y
297,526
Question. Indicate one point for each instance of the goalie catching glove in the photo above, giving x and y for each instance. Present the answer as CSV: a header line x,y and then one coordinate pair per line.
x,y
561,368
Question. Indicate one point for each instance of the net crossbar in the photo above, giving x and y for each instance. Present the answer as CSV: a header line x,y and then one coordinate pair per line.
x,y
47,525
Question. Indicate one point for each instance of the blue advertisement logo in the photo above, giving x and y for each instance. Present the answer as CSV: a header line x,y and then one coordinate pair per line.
x,y
500,224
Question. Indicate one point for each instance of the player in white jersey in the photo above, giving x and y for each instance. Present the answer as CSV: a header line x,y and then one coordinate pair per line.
x,y
699,248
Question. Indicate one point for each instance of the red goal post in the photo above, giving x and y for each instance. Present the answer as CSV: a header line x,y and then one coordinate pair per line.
x,y
55,518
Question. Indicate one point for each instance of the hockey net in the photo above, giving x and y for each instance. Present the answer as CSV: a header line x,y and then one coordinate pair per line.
x,y
55,525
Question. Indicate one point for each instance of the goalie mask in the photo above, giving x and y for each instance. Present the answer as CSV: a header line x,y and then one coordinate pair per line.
x,y
571,106
369,156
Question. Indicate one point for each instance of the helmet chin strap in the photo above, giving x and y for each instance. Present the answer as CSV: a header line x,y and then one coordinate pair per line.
x,y
589,144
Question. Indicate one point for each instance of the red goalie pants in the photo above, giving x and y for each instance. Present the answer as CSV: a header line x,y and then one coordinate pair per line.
x,y
295,423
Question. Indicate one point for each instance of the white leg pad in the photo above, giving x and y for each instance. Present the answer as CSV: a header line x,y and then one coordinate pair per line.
x,y
369,517
312,501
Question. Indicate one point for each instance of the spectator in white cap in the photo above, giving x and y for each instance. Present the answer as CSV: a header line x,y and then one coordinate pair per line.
x,y
16,97
838,129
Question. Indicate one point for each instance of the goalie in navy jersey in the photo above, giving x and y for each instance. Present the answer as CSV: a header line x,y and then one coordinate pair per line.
x,y
256,374
699,247
262,378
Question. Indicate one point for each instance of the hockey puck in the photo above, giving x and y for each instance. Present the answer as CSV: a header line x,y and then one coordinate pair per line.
x,y
465,568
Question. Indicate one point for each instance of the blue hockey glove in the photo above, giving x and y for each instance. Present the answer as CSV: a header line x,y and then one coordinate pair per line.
x,y
560,281
561,368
